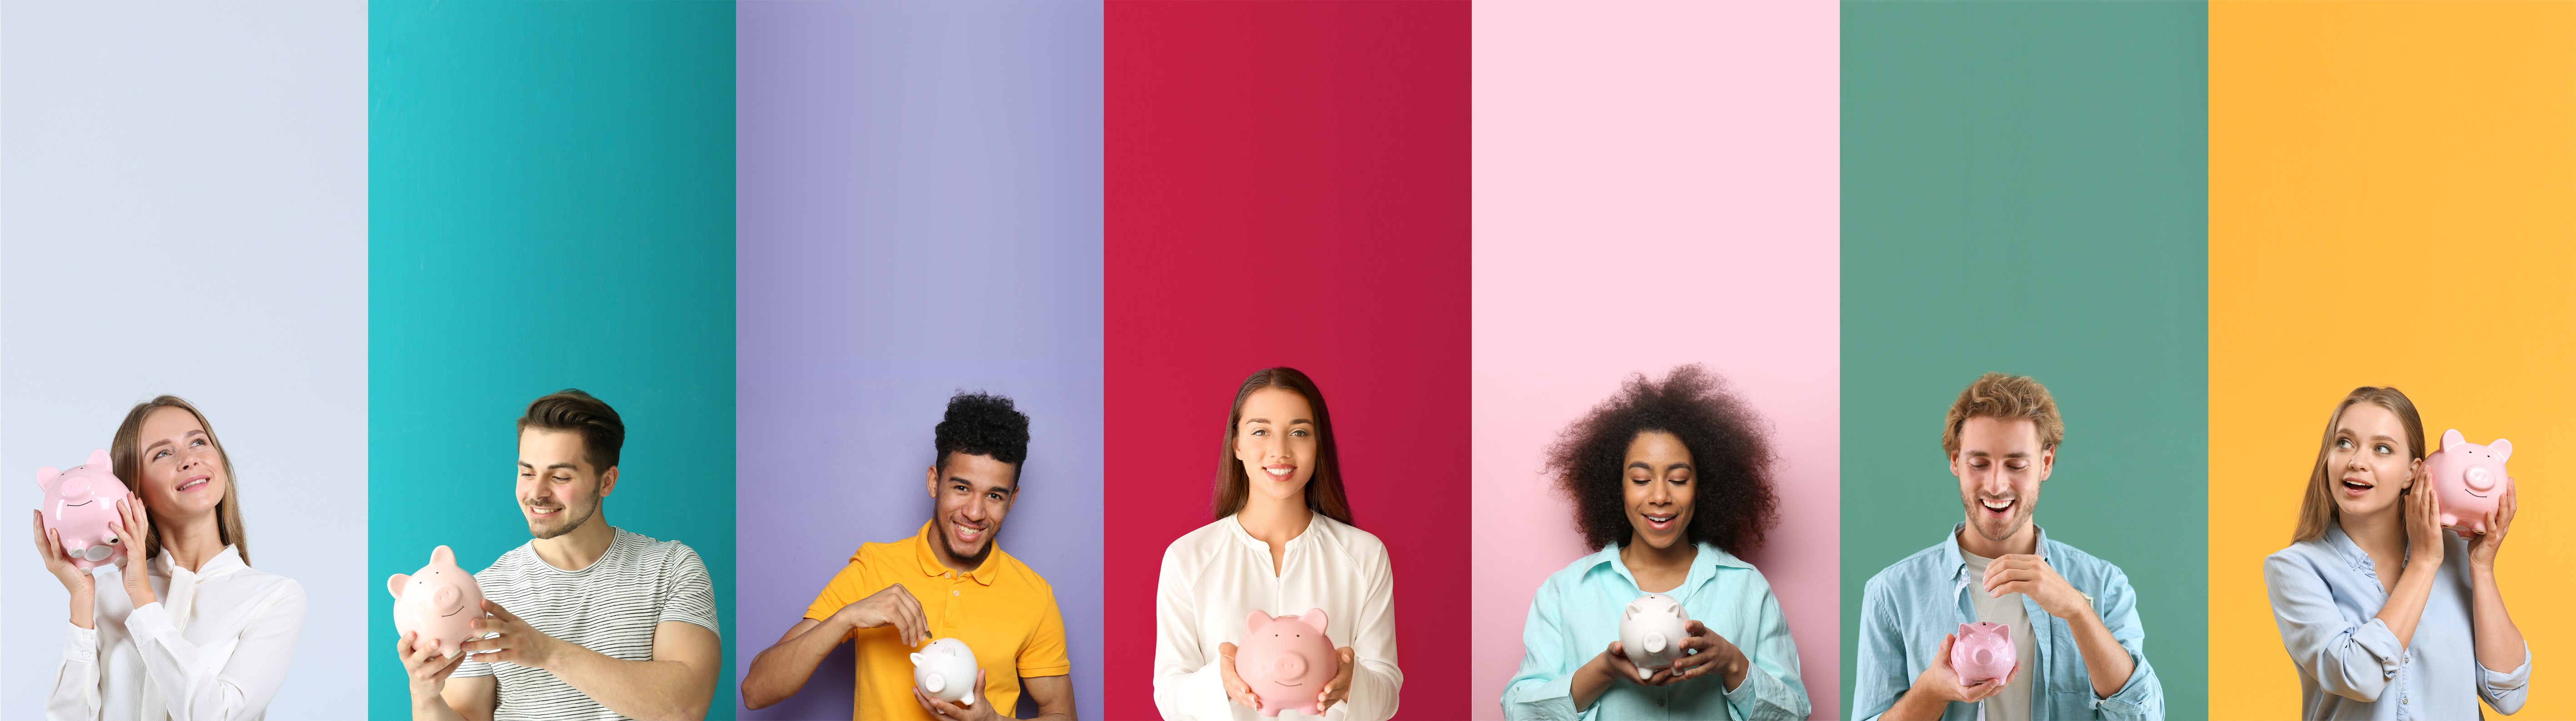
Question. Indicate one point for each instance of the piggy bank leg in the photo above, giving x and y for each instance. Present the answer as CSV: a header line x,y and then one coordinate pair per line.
x,y
1267,711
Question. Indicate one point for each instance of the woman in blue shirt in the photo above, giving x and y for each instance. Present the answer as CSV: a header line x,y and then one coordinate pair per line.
x,y
1670,480
2429,637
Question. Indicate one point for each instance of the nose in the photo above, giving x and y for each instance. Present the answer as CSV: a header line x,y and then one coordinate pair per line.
x,y
445,596
2479,479
1289,665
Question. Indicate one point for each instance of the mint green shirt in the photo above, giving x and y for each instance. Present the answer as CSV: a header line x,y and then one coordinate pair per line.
x,y
1576,615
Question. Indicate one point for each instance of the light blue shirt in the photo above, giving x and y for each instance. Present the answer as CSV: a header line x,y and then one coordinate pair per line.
x,y
2326,598
1575,616
1908,607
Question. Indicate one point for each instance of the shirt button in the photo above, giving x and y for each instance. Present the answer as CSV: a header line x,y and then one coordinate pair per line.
x,y
956,593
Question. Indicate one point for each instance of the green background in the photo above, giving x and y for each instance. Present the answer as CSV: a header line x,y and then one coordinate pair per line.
x,y
550,190
2025,191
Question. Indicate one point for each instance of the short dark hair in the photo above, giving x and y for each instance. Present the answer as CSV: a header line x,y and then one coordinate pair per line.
x,y
570,410
1729,444
983,424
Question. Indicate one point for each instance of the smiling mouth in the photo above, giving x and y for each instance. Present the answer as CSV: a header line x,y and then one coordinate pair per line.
x,y
82,503
1284,683
459,609
2356,485
1279,473
193,484
1989,504
1660,520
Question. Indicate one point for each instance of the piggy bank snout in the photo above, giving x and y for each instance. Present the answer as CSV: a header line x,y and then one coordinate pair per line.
x,y
446,596
75,487
1985,656
1288,665
1654,643
97,553
2479,478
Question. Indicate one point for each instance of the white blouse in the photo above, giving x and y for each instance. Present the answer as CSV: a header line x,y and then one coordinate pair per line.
x,y
214,647
1216,576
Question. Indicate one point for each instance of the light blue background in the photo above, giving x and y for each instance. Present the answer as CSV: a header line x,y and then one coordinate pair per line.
x,y
552,197
920,212
183,210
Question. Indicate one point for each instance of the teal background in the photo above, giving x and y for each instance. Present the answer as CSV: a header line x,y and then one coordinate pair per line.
x,y
2025,191
551,205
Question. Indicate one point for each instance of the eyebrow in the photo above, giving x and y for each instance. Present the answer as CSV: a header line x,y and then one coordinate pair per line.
x,y
2014,454
970,483
566,464
1650,466
166,441
1293,421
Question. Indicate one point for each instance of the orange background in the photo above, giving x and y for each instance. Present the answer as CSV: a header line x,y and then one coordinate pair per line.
x,y
2392,201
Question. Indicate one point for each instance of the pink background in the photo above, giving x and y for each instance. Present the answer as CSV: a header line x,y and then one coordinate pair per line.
x,y
1655,184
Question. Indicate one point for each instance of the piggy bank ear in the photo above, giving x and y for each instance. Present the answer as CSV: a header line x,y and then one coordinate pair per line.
x,y
98,457
1630,613
2503,449
1677,609
395,584
45,477
1255,621
2451,438
441,555
916,659
1313,617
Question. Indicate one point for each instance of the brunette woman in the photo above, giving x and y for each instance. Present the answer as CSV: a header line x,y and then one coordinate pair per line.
x,y
1283,542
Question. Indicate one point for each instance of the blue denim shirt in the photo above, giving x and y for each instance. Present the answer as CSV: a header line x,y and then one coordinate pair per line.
x,y
1909,606
1576,615
2326,597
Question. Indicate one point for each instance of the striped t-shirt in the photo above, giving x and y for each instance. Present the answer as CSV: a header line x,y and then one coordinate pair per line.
x,y
610,607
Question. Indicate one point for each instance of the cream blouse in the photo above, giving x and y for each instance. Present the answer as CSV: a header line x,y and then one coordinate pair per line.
x,y
1216,576
213,648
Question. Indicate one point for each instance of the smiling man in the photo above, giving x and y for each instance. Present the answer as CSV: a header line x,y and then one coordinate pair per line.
x,y
593,621
951,580
2073,617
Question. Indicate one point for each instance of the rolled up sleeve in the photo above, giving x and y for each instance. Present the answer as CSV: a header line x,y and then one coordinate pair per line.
x,y
2348,659
2504,690
1772,688
2142,696
1543,688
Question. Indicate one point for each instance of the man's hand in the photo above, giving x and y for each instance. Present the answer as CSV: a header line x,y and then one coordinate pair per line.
x,y
1705,652
1340,688
1235,687
427,670
890,605
518,642
1941,683
2031,576
972,708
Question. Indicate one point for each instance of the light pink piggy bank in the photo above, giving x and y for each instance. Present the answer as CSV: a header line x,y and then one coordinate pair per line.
x,y
2470,478
1287,660
79,504
441,601
1983,651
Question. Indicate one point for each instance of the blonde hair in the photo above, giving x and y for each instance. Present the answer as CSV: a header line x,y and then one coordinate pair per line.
x,y
129,468
2004,397
2317,507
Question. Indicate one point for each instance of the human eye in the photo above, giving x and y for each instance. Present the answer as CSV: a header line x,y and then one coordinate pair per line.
x,y
1300,433
160,454
2383,449
2343,443
1261,431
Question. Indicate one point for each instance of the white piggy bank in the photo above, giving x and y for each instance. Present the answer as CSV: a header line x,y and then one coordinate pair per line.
x,y
945,669
1651,631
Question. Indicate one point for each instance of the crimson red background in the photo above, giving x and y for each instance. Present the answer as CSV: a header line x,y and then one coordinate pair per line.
x,y
1288,184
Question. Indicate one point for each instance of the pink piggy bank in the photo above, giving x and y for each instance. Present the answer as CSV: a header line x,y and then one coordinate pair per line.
x,y
2470,478
1984,651
79,504
1287,660
441,602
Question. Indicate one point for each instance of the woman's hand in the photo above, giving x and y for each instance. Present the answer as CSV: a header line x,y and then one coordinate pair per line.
x,y
2482,551
1340,688
134,523
1235,687
1707,653
1615,660
84,588
2423,523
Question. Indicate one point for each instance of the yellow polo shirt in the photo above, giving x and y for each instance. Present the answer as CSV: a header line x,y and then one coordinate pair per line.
x,y
1002,610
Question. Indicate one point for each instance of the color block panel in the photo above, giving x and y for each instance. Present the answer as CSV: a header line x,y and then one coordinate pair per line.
x,y
920,201
2024,190
551,205
1647,175
2388,206
1288,185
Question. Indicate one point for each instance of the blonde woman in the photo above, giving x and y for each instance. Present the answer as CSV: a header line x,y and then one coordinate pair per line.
x,y
2385,614
185,629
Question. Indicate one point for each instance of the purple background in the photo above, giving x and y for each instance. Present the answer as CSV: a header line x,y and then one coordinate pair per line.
x,y
918,212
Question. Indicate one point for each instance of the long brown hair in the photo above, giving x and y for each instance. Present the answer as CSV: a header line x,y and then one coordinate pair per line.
x,y
1323,490
2317,508
128,461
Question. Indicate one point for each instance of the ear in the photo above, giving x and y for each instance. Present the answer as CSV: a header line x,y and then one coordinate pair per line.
x,y
1677,610
1255,621
442,555
395,585
98,457
931,482
2503,449
608,482
46,476
1313,617
1630,613
916,659
2452,438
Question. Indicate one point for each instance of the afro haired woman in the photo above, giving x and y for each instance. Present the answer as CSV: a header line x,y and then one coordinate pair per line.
x,y
1671,479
